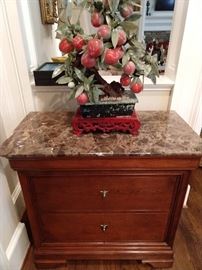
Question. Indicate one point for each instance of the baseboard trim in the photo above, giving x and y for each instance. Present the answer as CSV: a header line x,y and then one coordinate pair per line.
x,y
18,200
16,193
25,220
27,257
18,247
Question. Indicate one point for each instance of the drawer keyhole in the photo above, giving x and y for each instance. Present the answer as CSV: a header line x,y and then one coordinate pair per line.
x,y
104,227
104,193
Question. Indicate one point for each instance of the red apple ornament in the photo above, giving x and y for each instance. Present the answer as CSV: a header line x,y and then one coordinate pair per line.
x,y
82,99
129,68
122,38
104,32
66,46
88,61
111,56
125,80
97,19
136,87
95,47
126,11
120,52
78,42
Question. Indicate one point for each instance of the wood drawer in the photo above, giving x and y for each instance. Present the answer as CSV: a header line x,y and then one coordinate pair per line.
x,y
124,192
86,227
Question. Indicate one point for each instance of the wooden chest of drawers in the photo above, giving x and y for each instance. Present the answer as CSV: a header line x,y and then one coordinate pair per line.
x,y
103,196
128,210
112,207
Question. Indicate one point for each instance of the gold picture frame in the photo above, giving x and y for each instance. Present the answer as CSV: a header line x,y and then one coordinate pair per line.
x,y
49,11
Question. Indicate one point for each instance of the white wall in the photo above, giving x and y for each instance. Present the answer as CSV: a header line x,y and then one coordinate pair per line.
x,y
15,102
37,36
45,41
39,39
154,97
187,95
149,100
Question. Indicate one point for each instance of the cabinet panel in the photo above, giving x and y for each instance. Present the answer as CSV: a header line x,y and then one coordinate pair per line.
x,y
89,227
104,193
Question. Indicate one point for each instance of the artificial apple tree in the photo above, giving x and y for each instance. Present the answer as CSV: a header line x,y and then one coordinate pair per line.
x,y
114,45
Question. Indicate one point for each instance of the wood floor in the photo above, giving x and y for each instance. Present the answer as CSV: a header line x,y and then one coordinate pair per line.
x,y
187,247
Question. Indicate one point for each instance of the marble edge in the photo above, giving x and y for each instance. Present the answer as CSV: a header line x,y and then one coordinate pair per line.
x,y
98,155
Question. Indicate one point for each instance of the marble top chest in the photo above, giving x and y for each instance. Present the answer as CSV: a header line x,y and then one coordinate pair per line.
x,y
103,196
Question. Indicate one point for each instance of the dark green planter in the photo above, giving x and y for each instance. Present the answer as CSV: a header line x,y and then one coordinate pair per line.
x,y
111,108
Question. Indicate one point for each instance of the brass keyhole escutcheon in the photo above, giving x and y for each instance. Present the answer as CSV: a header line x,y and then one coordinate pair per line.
x,y
104,227
104,193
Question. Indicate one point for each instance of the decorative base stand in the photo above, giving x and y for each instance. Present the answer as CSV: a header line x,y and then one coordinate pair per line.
x,y
105,124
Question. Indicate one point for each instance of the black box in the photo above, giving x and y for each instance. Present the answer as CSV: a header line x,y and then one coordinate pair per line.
x,y
43,74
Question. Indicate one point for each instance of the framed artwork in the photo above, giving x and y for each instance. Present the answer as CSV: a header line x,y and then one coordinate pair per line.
x,y
49,12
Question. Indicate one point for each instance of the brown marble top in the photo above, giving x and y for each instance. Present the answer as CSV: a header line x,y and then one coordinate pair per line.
x,y
49,134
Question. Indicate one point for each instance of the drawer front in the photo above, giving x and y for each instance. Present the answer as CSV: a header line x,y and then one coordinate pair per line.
x,y
99,227
104,193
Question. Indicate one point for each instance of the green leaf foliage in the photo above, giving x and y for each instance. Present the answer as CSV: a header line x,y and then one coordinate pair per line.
x,y
113,5
147,70
79,91
115,37
91,78
134,17
129,26
125,59
108,20
58,71
95,94
90,96
64,80
108,45
152,77
79,74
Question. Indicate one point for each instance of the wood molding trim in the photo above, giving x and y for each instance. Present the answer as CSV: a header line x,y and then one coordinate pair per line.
x,y
18,201
177,32
18,247
196,111
92,163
